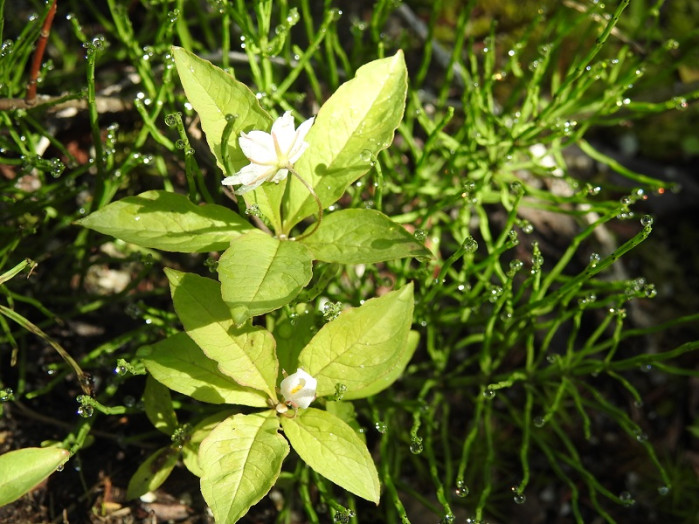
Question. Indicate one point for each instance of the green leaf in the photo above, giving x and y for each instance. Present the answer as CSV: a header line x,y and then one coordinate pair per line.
x,y
152,472
21,470
361,236
181,365
214,94
245,354
345,411
362,347
352,126
168,221
395,372
292,333
259,274
190,449
158,405
333,449
241,460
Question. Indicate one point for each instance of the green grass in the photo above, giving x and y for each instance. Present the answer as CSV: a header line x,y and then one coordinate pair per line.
x,y
533,359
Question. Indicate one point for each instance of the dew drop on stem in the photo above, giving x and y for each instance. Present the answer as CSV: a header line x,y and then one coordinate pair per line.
x,y
626,498
86,411
415,444
7,394
461,489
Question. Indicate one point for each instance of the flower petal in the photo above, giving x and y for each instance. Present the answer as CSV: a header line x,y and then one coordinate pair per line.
x,y
284,133
299,145
251,176
296,151
258,147
279,176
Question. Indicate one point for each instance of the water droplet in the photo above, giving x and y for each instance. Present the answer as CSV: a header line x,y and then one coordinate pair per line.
x,y
489,392
59,468
381,427
447,519
331,310
519,498
416,445
494,292
6,48
420,235
335,14
641,436
626,498
680,103
7,395
120,370
526,226
253,210
595,259
461,490
671,44
86,411
293,17
647,221
172,119
470,245
515,266
539,421
513,238
663,490
340,390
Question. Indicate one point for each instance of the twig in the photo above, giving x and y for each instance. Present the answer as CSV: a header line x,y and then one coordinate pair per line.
x,y
39,54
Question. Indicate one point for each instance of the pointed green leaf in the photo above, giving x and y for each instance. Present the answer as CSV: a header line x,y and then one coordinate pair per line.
x,y
361,347
190,450
259,274
168,221
181,365
247,354
158,405
152,472
361,236
352,126
241,460
333,449
214,94
21,470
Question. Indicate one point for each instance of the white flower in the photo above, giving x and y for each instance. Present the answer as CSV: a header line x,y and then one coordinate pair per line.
x,y
270,154
299,389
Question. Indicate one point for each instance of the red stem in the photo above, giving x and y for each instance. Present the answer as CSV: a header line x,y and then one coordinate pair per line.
x,y
39,54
